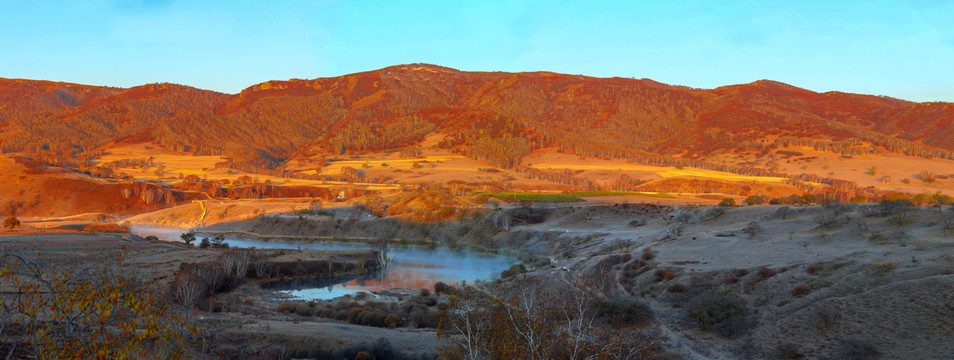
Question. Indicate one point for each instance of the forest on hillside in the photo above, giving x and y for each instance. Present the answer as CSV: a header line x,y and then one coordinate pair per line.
x,y
496,118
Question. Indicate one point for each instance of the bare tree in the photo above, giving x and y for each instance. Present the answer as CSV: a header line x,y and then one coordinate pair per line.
x,y
260,266
212,275
242,264
468,320
530,318
382,247
188,289
752,229
235,262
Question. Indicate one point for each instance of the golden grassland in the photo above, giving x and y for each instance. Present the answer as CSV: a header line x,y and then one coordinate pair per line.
x,y
886,171
551,159
390,171
174,163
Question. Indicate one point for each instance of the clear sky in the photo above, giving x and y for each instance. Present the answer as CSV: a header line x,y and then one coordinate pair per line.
x,y
903,49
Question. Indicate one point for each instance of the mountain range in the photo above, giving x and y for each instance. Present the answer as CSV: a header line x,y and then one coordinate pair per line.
x,y
494,117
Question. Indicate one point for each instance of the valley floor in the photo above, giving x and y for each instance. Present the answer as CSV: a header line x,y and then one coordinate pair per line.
x,y
802,282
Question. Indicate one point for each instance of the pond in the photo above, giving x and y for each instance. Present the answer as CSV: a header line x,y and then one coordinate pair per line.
x,y
411,269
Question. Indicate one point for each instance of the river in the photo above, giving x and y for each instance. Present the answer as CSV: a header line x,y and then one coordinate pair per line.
x,y
411,268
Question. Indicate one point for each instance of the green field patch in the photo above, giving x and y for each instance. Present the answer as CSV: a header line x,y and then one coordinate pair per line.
x,y
566,197
537,197
620,193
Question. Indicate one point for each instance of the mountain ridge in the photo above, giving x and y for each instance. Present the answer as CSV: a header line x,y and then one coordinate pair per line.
x,y
272,122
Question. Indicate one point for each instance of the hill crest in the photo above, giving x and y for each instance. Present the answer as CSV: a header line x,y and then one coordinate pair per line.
x,y
269,123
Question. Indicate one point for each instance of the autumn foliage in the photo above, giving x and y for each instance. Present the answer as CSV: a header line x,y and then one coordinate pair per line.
x,y
84,312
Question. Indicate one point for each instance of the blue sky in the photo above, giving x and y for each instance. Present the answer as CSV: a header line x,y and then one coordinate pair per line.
x,y
895,48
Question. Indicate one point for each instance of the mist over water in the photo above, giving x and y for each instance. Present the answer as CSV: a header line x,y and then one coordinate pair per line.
x,y
164,233
411,269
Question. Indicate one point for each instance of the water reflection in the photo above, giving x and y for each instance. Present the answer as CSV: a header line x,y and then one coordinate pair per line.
x,y
165,233
411,269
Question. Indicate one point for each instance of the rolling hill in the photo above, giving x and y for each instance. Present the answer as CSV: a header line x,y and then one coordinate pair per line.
x,y
504,120
492,116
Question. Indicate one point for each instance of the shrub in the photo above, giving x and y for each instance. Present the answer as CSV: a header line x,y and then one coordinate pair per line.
x,y
188,238
731,280
727,202
881,269
371,317
187,289
392,320
756,200
380,349
304,310
624,312
11,223
947,271
514,270
218,241
663,274
426,318
205,243
353,314
810,269
800,290
765,273
151,238
752,229
722,313
442,288
677,288
854,349
648,255
286,308
741,272
788,351
637,223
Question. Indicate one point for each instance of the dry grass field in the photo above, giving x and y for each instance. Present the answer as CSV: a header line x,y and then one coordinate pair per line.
x,y
606,169
172,164
887,171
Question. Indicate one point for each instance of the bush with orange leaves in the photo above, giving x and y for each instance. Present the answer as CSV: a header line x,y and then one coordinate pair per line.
x,y
85,311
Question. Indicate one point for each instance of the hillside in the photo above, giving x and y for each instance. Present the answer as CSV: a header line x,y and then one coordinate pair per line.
x,y
33,190
492,117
